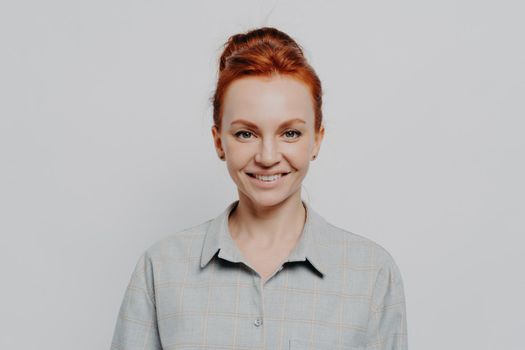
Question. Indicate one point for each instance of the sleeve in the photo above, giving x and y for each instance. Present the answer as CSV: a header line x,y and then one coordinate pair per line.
x,y
136,326
387,324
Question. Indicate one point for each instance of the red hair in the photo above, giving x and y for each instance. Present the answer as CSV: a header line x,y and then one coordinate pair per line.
x,y
264,52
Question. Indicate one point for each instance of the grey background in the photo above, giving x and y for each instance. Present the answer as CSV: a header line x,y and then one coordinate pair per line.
x,y
105,147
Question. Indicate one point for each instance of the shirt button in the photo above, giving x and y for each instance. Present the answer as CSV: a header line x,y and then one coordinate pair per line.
x,y
257,322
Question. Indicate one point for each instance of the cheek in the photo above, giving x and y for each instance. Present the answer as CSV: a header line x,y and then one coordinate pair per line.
x,y
299,155
237,156
239,153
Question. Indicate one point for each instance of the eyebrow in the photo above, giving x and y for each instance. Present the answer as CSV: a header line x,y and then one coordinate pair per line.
x,y
250,124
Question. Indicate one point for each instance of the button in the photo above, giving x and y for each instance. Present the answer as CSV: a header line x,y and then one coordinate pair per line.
x,y
257,322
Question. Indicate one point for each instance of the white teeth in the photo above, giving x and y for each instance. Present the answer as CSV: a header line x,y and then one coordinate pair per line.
x,y
268,178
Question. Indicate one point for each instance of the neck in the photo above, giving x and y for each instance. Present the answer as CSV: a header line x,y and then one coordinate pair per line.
x,y
267,226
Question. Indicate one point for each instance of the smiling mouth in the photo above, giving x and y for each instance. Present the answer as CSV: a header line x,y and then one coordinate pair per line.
x,y
282,174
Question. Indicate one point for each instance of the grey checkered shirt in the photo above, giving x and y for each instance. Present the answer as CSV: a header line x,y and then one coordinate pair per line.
x,y
194,290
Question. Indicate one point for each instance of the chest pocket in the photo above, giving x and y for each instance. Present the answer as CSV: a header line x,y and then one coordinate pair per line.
x,y
301,344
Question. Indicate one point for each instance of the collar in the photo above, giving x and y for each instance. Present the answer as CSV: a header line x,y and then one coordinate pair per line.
x,y
218,238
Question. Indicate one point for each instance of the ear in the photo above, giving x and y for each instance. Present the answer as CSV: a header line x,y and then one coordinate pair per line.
x,y
217,141
318,140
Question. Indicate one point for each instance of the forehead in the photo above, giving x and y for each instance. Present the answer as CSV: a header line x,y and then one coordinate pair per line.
x,y
267,100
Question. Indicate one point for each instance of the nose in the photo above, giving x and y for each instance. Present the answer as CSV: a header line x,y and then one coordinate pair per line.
x,y
268,154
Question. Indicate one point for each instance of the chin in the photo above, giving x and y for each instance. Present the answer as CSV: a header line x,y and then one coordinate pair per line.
x,y
268,199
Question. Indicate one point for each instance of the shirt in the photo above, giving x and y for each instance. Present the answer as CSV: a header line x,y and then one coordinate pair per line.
x,y
194,290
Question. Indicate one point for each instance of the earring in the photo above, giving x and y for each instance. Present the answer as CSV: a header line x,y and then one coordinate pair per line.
x,y
315,156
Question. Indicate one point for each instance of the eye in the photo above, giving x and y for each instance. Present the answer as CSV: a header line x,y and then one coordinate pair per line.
x,y
242,132
297,132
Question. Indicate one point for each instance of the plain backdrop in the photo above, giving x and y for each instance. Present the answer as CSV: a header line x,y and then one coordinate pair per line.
x,y
105,147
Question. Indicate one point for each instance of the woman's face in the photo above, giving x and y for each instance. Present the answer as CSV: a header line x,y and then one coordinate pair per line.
x,y
267,129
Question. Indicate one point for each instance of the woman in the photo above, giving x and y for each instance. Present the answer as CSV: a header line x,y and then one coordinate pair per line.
x,y
269,272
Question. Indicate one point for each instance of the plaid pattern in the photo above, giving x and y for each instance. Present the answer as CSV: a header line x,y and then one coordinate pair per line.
x,y
194,290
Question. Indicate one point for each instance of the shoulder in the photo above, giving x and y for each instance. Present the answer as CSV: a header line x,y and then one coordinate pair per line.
x,y
167,255
358,249
183,243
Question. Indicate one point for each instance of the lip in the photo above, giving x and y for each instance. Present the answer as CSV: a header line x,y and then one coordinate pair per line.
x,y
264,184
268,174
